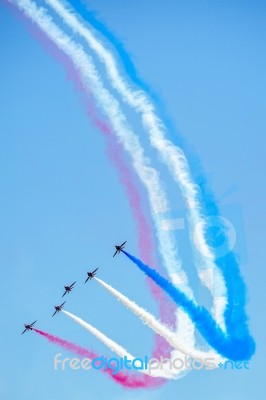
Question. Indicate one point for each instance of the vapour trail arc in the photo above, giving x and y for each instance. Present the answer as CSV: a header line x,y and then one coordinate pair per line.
x,y
110,107
225,284
161,347
114,151
115,347
237,345
131,381
72,21
221,275
231,313
158,327
167,245
172,155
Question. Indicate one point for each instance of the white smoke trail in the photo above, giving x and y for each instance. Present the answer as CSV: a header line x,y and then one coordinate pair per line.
x,y
110,107
131,143
172,155
116,348
80,59
158,327
167,247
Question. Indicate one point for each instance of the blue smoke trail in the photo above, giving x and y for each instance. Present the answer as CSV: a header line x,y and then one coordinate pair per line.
x,y
92,18
207,199
236,346
228,265
130,69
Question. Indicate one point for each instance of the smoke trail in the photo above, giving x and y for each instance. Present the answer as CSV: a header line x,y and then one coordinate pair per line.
x,y
115,347
126,175
146,244
225,284
129,66
207,199
114,151
110,107
236,345
157,326
167,246
132,381
173,156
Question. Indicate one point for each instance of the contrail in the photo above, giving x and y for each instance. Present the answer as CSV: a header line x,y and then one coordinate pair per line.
x,y
157,326
128,65
133,381
236,345
167,245
115,347
213,270
145,241
110,107
172,155
149,176
126,175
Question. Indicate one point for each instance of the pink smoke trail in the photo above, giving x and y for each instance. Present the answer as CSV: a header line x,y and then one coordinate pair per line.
x,y
126,176
130,381
144,229
115,153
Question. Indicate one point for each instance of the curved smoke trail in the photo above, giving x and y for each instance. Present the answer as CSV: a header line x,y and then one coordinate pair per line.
x,y
126,380
157,326
233,300
167,246
222,278
172,155
110,107
115,347
145,242
233,281
148,175
236,345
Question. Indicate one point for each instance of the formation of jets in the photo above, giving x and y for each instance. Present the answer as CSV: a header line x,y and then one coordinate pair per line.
x,y
90,275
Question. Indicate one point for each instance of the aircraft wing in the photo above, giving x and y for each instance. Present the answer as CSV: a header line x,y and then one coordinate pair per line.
x,y
64,293
115,253
95,270
72,284
62,304
33,323
24,331
87,280
54,313
123,244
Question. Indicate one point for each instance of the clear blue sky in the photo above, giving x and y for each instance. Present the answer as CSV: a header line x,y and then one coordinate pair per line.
x,y
62,207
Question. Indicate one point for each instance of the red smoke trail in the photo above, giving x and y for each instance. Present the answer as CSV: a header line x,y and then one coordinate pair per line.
x,y
134,381
127,177
115,153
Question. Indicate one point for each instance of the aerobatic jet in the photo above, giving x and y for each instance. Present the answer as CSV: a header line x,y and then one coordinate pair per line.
x,y
58,308
91,275
119,248
28,327
68,288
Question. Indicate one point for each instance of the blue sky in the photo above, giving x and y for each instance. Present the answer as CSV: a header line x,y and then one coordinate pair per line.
x,y
62,207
